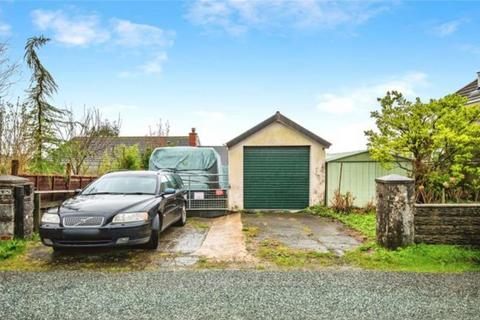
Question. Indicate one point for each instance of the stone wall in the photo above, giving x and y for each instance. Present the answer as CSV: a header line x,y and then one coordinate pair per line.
x,y
447,224
7,212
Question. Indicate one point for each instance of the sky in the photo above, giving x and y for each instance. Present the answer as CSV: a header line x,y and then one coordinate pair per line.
x,y
224,66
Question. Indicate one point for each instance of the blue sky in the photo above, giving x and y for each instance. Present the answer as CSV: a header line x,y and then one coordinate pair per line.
x,y
224,66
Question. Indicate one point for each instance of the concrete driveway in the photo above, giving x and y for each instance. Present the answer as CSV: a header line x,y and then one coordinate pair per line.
x,y
302,231
221,241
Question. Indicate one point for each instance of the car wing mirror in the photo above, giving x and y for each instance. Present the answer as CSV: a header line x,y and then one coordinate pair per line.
x,y
77,192
168,191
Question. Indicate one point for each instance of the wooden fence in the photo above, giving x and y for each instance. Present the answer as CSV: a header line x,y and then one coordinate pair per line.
x,y
57,182
43,182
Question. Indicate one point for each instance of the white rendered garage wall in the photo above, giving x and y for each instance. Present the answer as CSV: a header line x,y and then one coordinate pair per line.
x,y
276,134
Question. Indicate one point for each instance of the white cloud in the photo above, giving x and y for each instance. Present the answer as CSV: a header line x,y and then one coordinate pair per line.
x,y
152,67
361,98
73,30
131,34
448,28
5,29
238,16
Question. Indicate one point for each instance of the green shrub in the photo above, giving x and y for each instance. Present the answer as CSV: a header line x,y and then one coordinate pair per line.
x,y
127,158
9,248
146,158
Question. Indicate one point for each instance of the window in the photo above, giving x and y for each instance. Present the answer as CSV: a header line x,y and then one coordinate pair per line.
x,y
178,180
173,182
164,183
123,184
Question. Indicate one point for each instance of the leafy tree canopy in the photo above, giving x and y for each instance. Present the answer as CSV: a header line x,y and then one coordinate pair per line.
x,y
442,137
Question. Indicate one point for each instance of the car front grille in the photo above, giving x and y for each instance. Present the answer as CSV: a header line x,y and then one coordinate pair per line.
x,y
93,221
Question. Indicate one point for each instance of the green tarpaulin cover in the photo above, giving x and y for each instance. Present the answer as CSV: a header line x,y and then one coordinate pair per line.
x,y
199,167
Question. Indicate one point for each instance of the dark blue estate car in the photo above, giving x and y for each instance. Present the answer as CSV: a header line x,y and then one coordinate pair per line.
x,y
119,208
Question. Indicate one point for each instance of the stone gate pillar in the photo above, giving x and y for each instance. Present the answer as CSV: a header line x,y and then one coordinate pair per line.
x,y
16,207
395,211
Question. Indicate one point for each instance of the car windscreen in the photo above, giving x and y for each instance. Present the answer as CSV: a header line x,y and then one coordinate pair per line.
x,y
123,184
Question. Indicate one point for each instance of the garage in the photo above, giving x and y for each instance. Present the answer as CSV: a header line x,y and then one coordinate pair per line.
x,y
276,177
276,164
355,172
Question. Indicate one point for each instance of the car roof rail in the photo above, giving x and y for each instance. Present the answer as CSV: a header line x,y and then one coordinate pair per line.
x,y
166,170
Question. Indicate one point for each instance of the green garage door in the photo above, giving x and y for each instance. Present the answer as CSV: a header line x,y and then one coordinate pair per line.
x,y
276,177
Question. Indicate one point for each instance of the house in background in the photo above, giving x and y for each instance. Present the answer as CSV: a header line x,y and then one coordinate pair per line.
x,y
471,91
277,164
355,172
103,145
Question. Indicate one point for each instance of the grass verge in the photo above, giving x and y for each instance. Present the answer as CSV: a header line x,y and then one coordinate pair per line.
x,y
361,222
415,258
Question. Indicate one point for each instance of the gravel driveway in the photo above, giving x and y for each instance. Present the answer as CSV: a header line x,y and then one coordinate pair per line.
x,y
238,295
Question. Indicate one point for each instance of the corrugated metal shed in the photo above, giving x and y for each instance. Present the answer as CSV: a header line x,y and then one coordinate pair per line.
x,y
356,172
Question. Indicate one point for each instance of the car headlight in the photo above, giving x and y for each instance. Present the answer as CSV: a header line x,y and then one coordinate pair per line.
x,y
130,217
50,218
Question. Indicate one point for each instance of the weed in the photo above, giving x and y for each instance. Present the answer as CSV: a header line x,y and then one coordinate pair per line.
x,y
308,231
369,207
10,248
364,223
204,263
342,202
198,224
251,231
259,213
275,252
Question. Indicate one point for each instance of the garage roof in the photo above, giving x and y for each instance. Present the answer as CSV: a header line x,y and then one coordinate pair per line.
x,y
342,156
280,118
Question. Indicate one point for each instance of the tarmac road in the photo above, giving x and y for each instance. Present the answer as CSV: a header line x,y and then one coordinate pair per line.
x,y
238,295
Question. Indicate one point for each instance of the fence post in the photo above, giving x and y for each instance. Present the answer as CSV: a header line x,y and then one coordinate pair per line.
x,y
52,197
14,167
36,211
19,195
68,172
395,211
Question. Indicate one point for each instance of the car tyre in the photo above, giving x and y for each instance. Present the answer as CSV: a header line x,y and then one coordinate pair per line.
x,y
183,218
152,244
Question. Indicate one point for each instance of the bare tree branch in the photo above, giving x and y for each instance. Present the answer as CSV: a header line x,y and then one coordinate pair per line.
x,y
7,70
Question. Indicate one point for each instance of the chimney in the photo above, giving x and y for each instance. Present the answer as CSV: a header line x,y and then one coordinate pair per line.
x,y
192,138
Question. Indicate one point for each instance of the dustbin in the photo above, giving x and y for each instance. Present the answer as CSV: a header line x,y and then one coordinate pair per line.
x,y
16,207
